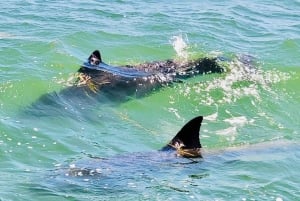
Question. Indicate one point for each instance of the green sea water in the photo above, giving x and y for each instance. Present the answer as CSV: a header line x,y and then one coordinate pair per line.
x,y
250,133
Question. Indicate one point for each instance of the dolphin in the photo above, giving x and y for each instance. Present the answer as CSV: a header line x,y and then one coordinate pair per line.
x,y
121,82
169,170
186,144
99,82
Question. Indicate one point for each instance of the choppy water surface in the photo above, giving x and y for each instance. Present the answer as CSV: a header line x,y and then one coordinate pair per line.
x,y
250,133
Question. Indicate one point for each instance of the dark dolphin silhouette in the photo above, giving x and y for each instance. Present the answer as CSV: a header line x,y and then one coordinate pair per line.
x,y
122,82
185,144
100,82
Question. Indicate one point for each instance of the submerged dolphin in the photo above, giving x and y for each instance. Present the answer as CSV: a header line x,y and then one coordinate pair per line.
x,y
186,144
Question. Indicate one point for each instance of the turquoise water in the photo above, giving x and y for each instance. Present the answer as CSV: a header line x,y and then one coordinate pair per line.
x,y
250,132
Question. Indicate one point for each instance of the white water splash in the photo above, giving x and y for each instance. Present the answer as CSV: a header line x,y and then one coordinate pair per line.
x,y
235,122
212,117
179,44
241,80
230,131
175,111
238,121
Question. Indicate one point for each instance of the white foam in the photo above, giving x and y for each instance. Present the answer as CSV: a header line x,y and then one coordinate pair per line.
x,y
227,131
72,165
237,121
241,80
175,111
211,117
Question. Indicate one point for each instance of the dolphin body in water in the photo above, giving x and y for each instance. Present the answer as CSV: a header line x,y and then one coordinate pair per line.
x,y
186,144
114,173
179,166
122,82
100,82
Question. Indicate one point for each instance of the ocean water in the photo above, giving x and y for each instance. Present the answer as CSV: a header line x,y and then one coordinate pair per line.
x,y
250,133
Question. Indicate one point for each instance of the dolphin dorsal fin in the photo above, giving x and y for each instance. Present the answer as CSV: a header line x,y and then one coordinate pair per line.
x,y
188,136
95,58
